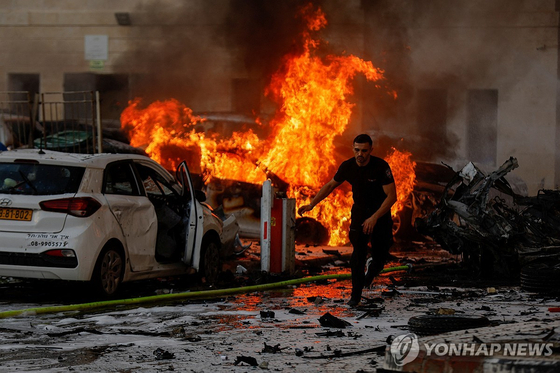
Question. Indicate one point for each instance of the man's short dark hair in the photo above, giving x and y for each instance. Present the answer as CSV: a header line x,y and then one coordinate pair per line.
x,y
363,138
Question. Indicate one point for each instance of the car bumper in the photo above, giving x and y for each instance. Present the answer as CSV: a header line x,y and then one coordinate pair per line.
x,y
38,260
23,255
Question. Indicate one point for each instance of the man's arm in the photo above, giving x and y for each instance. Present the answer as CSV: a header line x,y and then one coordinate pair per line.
x,y
323,193
391,192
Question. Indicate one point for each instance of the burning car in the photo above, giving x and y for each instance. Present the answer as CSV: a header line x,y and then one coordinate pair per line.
x,y
429,185
105,218
492,224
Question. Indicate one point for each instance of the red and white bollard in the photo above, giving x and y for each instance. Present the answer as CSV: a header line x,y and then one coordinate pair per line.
x,y
278,223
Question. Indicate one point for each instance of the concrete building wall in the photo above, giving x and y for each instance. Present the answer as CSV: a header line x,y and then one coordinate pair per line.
x,y
509,56
47,38
424,46
510,47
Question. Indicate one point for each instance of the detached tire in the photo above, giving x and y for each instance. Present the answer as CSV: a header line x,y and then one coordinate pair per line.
x,y
109,272
540,278
210,261
436,324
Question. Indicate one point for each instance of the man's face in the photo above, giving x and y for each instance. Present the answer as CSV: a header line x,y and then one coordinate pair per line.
x,y
362,152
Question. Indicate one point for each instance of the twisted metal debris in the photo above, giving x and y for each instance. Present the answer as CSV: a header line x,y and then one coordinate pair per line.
x,y
495,229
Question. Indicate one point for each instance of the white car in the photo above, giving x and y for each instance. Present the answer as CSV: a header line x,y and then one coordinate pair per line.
x,y
104,218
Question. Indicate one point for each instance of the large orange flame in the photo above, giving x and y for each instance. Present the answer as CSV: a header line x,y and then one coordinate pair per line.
x,y
312,96
171,124
405,177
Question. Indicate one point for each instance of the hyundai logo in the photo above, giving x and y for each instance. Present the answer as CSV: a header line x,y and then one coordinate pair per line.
x,y
5,202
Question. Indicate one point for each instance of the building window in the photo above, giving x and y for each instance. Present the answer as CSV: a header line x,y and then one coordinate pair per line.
x,y
113,92
23,82
482,122
23,88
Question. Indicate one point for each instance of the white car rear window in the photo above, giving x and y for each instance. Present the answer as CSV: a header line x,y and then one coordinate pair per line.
x,y
39,179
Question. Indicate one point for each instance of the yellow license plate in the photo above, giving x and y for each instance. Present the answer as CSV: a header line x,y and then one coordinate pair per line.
x,y
15,214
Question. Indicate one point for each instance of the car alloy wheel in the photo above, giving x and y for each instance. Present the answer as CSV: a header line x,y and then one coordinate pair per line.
x,y
110,271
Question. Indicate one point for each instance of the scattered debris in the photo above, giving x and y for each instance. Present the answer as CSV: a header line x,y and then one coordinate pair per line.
x,y
240,270
329,333
239,248
74,331
263,365
295,311
390,292
267,315
495,229
272,349
306,349
193,338
339,353
330,321
316,300
369,310
373,300
247,360
354,335
178,332
163,355
334,252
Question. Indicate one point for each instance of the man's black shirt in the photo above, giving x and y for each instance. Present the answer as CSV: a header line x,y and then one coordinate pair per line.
x,y
367,182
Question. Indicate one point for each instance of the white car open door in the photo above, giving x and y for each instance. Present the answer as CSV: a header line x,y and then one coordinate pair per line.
x,y
195,213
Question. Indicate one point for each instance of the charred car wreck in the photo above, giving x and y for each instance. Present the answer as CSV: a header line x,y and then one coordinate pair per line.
x,y
496,230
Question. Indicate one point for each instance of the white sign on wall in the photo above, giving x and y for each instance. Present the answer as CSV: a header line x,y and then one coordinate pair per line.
x,y
96,47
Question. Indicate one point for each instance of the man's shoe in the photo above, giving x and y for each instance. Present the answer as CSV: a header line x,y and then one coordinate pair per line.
x,y
353,302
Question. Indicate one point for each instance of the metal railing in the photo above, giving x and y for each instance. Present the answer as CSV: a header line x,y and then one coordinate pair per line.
x,y
63,121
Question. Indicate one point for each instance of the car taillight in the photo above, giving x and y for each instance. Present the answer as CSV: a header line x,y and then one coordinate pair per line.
x,y
81,207
62,253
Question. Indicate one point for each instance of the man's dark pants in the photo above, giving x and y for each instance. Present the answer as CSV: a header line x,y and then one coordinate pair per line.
x,y
381,239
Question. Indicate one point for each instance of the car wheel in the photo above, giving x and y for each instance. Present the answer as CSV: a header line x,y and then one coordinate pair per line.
x,y
311,232
109,272
210,263
402,223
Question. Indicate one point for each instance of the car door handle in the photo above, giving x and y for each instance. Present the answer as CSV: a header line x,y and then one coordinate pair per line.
x,y
118,214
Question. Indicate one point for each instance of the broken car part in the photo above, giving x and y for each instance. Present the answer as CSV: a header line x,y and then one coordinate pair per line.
x,y
495,229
